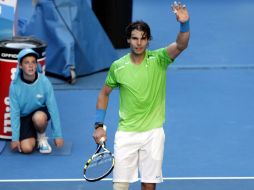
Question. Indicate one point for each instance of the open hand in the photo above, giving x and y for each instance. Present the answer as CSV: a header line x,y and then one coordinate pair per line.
x,y
59,142
15,146
180,12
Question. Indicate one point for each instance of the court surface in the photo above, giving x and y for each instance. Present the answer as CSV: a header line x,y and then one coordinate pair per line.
x,y
209,108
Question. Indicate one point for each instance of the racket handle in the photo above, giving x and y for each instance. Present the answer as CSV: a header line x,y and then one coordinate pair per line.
x,y
102,140
105,127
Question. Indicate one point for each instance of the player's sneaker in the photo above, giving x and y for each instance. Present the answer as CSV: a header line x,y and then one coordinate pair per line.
x,y
43,145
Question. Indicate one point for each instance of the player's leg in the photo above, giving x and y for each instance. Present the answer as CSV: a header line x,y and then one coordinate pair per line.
x,y
40,121
148,186
120,186
126,148
150,159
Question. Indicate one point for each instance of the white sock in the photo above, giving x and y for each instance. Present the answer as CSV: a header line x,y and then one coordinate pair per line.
x,y
41,135
120,186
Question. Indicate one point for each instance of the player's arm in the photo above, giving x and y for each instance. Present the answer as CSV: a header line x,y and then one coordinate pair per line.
x,y
101,107
183,36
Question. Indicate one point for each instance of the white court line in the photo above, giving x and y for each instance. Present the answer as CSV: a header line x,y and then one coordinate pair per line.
x,y
110,179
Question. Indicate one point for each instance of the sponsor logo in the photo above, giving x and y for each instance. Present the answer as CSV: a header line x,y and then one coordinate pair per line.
x,y
39,96
9,55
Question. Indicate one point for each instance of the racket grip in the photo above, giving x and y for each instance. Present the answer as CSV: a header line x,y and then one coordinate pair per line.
x,y
105,127
102,140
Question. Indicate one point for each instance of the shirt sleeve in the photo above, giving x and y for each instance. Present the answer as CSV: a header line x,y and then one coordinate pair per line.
x,y
53,111
165,59
15,114
111,80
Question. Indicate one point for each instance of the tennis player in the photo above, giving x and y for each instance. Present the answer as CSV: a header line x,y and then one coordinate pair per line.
x,y
141,78
32,104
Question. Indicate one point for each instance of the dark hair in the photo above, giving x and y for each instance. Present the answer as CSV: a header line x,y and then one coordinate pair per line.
x,y
138,25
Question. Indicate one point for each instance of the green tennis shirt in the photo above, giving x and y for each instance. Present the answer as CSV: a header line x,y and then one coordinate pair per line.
x,y
142,90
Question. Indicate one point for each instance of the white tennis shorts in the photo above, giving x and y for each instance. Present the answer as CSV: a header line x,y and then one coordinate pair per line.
x,y
139,153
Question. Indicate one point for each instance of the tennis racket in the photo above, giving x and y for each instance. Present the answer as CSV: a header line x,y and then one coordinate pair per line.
x,y
100,164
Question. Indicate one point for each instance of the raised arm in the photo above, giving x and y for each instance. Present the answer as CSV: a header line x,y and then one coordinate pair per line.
x,y
183,36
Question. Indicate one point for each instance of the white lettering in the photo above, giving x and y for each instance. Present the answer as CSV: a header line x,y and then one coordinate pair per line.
x,y
7,116
7,129
13,71
7,101
7,109
7,123
9,55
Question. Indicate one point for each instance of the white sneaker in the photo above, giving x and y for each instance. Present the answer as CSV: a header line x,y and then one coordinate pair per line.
x,y
43,145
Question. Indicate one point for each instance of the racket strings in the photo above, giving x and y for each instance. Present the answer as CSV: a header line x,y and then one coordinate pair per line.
x,y
100,159
101,164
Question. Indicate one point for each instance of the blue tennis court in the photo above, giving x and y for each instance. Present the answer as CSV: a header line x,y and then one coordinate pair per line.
x,y
209,124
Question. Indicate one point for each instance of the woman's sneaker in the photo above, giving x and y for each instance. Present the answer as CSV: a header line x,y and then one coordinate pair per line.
x,y
43,145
